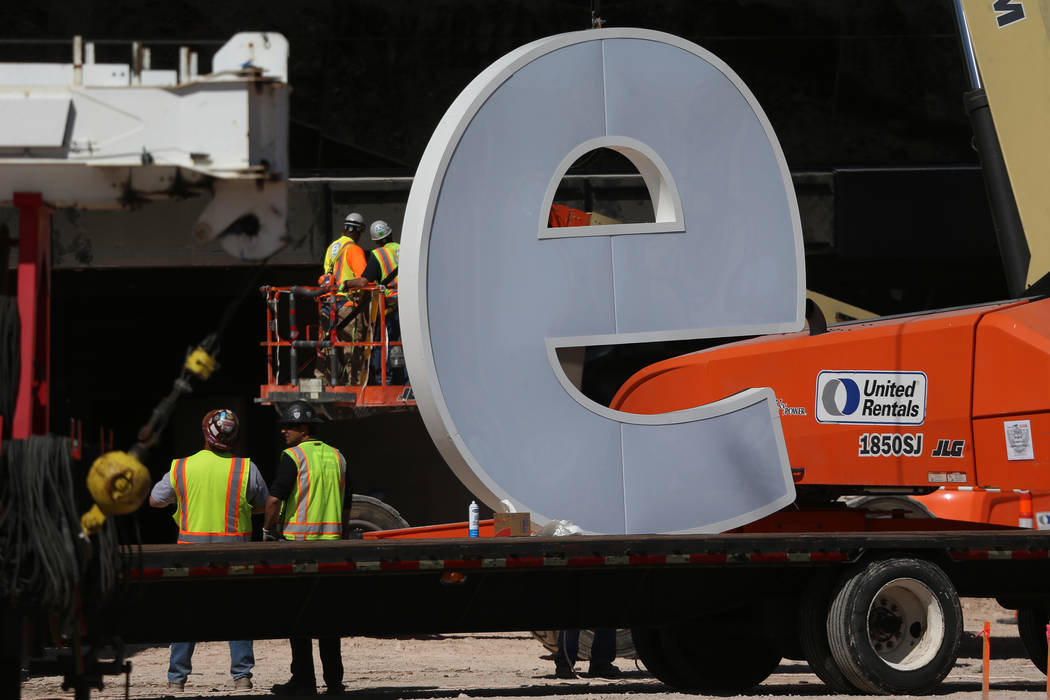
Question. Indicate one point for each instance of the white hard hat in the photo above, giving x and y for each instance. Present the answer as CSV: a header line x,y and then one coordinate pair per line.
x,y
354,221
380,230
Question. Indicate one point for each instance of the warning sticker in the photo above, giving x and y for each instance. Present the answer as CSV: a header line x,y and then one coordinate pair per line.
x,y
1019,439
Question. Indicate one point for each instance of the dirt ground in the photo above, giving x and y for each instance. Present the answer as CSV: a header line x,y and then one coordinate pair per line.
x,y
510,665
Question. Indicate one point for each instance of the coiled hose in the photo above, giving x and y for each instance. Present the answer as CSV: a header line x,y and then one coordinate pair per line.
x,y
42,552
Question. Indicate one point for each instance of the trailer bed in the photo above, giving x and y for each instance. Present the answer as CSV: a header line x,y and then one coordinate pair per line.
x,y
356,587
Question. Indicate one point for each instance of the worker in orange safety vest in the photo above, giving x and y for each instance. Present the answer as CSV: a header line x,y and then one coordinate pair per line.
x,y
215,494
343,261
306,500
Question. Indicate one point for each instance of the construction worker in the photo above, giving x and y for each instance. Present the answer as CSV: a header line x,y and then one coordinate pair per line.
x,y
381,265
215,495
306,502
381,269
343,261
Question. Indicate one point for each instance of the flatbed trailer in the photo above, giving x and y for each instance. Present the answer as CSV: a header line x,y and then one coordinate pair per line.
x,y
735,604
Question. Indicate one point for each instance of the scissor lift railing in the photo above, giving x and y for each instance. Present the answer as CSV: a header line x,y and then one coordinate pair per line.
x,y
305,361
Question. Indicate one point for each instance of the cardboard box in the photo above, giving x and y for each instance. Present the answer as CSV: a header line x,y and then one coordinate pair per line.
x,y
512,525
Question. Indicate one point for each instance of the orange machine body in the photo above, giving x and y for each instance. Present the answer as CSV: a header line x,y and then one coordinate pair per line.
x,y
957,397
994,507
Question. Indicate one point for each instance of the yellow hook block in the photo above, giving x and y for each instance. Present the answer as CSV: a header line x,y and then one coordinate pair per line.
x,y
201,363
119,483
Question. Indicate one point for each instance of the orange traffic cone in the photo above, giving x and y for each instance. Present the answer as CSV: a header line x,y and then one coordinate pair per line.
x,y
1025,518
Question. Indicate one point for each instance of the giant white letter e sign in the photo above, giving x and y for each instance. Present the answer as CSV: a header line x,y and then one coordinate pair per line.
x,y
489,293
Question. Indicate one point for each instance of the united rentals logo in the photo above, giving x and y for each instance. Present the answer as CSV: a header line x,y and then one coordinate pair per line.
x,y
871,398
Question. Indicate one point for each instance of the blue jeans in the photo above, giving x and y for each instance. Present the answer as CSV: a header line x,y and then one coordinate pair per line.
x,y
242,660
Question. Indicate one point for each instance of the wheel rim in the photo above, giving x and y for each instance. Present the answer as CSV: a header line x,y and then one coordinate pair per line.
x,y
906,624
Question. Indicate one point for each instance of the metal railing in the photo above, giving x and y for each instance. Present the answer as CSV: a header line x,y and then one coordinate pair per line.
x,y
292,327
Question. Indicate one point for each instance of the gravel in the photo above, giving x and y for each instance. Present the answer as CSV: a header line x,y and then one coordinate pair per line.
x,y
511,665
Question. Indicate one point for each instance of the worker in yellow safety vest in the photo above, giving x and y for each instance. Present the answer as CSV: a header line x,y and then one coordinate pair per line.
x,y
306,501
381,269
215,494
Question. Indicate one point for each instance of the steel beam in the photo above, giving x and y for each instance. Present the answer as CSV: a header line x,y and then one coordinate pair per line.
x,y
34,312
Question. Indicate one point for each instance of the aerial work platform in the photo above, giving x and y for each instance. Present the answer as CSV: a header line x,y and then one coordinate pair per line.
x,y
309,358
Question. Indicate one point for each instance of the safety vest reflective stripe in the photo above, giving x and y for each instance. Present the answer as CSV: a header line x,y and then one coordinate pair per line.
x,y
207,537
233,495
387,261
304,485
342,472
313,528
180,492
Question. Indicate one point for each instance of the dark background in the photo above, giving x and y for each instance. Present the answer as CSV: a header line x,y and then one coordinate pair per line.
x,y
868,93
875,83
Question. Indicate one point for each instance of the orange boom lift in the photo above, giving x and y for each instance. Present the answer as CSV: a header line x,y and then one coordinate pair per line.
x,y
945,390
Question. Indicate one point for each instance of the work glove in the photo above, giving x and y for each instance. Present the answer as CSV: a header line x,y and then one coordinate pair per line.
x,y
269,536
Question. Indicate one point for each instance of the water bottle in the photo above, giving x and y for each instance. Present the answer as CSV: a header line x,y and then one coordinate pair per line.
x,y
472,519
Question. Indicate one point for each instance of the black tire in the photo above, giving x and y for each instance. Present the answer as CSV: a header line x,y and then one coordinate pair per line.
x,y
894,626
723,654
648,644
813,635
1031,626
369,514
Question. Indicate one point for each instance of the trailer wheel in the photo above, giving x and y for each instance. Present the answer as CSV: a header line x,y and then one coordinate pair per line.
x,y
894,626
724,654
369,514
648,644
813,635
1031,626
